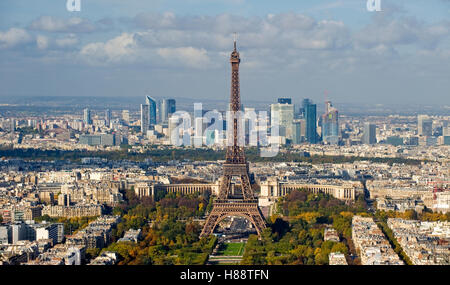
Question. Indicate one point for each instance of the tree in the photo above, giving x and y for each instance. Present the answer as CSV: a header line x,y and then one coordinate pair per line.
x,y
340,247
92,253
280,227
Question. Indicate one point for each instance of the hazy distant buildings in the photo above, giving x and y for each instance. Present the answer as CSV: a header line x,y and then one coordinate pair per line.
x,y
394,140
87,116
330,124
12,125
98,139
427,141
168,107
126,116
424,125
369,134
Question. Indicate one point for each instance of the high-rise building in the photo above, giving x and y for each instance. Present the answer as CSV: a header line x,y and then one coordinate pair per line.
x,y
369,134
424,125
144,118
108,117
297,132
330,124
151,102
311,120
168,107
285,114
126,116
87,116
305,102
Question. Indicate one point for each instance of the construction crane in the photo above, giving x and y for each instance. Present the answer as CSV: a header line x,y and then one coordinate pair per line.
x,y
436,187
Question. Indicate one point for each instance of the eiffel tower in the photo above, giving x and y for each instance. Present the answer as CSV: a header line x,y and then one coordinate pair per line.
x,y
236,165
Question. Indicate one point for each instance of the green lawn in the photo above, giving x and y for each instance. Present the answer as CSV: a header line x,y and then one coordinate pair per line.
x,y
232,249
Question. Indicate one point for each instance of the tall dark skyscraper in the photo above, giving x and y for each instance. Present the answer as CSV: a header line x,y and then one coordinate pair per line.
x,y
311,121
168,107
305,102
151,102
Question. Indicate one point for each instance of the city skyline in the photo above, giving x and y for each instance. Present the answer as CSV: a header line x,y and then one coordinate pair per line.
x,y
291,50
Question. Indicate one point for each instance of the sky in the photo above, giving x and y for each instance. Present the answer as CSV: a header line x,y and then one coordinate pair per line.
x,y
181,48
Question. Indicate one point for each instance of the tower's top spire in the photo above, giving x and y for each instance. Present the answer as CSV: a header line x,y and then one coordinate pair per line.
x,y
235,54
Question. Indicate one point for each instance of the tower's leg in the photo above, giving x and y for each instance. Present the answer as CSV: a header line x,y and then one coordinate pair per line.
x,y
225,187
210,223
222,210
246,187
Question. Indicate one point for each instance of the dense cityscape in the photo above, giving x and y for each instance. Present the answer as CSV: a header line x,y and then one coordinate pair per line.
x,y
156,179
67,208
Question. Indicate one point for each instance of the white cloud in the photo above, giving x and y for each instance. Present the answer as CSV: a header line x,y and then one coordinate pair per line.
x,y
188,56
54,24
42,42
117,49
286,40
69,41
14,37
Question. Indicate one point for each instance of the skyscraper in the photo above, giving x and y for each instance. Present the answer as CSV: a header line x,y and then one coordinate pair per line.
x,y
297,132
108,117
144,118
330,124
168,107
305,102
151,102
285,114
311,121
369,134
424,125
87,116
